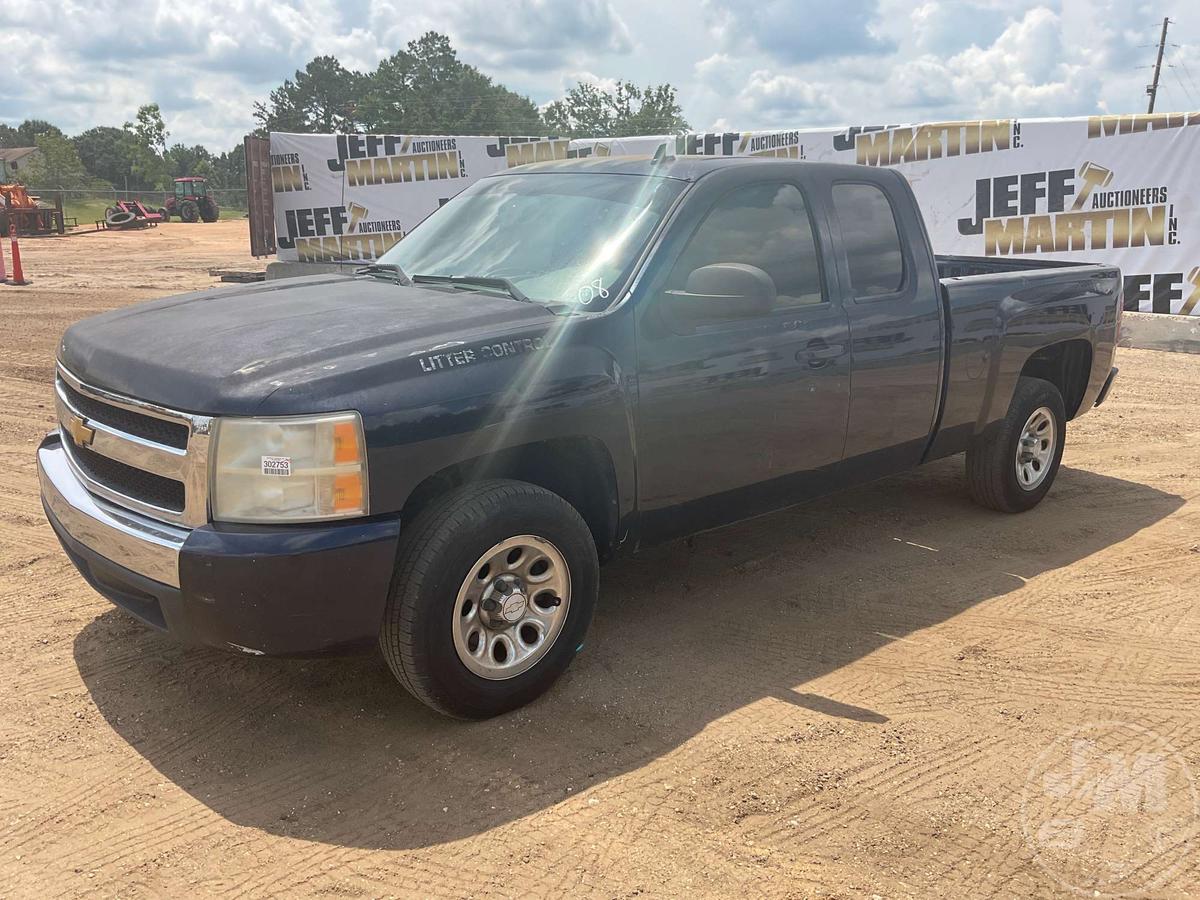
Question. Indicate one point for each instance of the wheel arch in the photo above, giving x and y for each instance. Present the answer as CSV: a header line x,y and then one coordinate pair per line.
x,y
579,469
1067,365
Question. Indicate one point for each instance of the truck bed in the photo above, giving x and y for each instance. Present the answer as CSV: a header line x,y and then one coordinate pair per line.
x,y
998,312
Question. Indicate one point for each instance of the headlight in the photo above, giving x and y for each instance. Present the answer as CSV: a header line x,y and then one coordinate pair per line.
x,y
296,469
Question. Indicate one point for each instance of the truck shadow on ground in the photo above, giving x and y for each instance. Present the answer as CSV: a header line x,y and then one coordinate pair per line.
x,y
335,751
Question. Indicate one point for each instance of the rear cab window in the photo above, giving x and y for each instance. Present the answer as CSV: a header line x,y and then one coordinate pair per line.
x,y
871,239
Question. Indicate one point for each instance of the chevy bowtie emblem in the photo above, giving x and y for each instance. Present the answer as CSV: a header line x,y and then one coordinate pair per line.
x,y
80,433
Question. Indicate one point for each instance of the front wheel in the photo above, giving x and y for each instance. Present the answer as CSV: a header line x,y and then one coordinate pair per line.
x,y
1012,468
495,587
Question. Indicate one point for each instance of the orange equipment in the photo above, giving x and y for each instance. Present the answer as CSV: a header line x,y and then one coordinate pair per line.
x,y
22,210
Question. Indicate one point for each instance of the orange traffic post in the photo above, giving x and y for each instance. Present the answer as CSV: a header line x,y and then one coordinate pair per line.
x,y
3,271
18,277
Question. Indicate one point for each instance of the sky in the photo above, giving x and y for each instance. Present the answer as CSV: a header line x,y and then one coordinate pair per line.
x,y
739,66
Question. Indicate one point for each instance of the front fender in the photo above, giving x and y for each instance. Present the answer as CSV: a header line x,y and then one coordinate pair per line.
x,y
571,382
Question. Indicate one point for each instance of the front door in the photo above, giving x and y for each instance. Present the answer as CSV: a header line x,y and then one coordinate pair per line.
x,y
742,413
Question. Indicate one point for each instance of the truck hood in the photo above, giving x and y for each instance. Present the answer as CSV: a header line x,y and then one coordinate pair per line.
x,y
226,350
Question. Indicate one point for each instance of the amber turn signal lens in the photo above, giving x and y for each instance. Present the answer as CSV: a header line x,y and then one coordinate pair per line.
x,y
348,492
345,443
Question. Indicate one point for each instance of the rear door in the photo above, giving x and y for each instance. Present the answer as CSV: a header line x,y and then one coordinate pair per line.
x,y
891,296
741,414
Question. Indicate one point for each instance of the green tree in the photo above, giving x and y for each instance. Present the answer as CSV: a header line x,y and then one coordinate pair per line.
x,y
57,165
31,129
322,98
626,111
149,129
27,133
182,160
148,136
427,89
229,169
107,153
422,89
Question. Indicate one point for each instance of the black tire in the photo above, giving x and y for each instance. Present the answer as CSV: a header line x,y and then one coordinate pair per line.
x,y
209,212
189,211
437,552
992,460
166,216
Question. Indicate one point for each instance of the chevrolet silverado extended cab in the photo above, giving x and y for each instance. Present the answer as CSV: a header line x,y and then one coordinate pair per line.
x,y
565,362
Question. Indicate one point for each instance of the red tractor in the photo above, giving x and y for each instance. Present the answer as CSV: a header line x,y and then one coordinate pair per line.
x,y
191,201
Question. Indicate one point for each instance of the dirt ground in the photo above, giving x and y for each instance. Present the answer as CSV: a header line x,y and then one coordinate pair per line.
x,y
873,695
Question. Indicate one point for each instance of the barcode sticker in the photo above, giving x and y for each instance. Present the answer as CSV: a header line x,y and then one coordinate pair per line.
x,y
277,465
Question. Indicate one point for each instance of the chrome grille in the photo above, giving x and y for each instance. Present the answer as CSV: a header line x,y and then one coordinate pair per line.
x,y
165,493
172,434
141,456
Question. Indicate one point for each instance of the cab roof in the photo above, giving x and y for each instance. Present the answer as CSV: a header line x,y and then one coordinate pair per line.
x,y
683,168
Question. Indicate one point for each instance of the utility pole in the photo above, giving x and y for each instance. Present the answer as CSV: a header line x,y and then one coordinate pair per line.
x,y
1152,89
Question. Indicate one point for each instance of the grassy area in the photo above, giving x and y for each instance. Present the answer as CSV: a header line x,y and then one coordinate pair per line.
x,y
87,211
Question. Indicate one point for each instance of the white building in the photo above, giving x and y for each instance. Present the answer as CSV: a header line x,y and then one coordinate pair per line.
x,y
13,160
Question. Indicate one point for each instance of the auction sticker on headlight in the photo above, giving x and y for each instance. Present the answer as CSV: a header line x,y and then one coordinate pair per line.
x,y
277,465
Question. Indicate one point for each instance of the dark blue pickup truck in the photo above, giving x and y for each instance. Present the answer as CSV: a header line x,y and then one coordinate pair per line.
x,y
566,362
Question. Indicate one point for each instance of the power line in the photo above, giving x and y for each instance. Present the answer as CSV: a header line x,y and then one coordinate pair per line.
x,y
1188,73
1182,86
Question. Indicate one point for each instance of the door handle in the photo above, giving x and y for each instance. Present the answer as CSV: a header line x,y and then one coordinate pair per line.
x,y
819,353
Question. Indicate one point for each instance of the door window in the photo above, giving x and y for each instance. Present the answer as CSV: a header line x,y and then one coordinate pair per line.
x,y
762,225
871,238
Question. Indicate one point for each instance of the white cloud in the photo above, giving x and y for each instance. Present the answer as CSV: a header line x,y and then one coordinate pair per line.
x,y
207,61
1025,71
776,97
769,64
542,34
713,70
796,31
947,60
570,79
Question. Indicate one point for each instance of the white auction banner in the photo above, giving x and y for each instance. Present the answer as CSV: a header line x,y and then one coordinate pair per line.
x,y
1111,189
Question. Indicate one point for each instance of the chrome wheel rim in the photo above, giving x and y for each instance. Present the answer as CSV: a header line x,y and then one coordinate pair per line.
x,y
1035,449
511,607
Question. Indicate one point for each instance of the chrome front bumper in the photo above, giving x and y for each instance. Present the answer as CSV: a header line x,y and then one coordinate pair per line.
x,y
142,545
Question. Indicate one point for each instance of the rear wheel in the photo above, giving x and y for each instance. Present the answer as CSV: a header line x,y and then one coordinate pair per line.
x,y
209,211
495,588
1012,468
189,211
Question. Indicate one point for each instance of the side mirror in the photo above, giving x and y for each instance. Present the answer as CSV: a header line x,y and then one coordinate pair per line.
x,y
723,291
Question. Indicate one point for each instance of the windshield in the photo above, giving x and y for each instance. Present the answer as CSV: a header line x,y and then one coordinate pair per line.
x,y
559,238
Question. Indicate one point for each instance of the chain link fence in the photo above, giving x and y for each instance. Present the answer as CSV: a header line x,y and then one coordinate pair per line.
x,y
88,204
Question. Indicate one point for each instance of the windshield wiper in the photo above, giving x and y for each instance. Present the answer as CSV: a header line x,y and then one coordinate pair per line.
x,y
392,270
486,281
